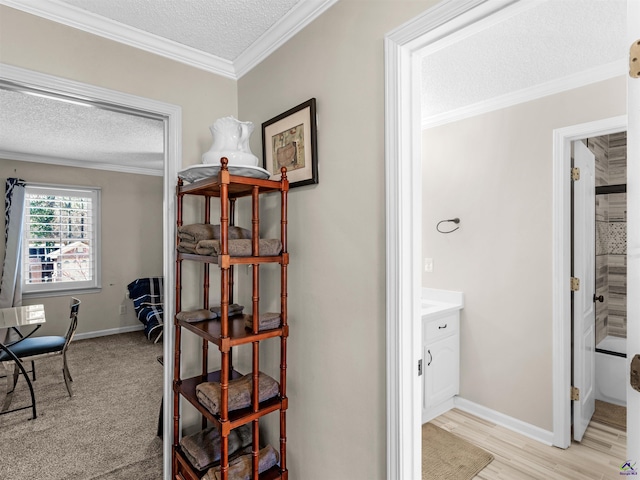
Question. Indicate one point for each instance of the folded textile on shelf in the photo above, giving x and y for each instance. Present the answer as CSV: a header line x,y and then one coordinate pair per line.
x,y
196,315
234,309
241,468
202,448
239,394
267,247
195,232
187,247
266,321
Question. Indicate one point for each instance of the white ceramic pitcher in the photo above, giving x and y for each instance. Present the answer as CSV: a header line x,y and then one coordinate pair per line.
x,y
231,140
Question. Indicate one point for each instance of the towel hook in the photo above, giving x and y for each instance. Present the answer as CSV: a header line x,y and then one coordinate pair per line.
x,y
452,220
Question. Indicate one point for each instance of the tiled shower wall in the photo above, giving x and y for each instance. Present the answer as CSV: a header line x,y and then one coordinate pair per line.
x,y
611,235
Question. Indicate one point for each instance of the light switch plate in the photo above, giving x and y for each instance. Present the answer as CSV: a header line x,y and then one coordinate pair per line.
x,y
428,265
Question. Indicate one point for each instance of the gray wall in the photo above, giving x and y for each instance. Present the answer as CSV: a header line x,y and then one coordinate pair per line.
x,y
131,242
336,362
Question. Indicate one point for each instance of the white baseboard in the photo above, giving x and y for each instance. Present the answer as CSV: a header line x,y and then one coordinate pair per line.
x,y
110,331
513,424
430,414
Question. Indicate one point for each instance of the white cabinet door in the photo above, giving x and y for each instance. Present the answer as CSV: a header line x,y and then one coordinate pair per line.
x,y
441,371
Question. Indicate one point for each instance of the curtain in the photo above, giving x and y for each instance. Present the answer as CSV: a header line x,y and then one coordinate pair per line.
x,y
11,283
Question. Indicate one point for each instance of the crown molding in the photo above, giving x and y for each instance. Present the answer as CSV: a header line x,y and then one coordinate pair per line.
x,y
579,79
75,17
299,17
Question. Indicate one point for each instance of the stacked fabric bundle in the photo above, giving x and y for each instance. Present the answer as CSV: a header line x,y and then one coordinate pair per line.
x,y
204,239
203,448
241,467
266,321
192,316
147,295
239,393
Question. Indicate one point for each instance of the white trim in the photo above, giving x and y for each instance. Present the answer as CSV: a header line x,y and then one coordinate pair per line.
x,y
479,26
68,162
511,423
580,79
403,193
76,17
633,235
444,407
298,18
172,164
94,222
518,426
109,331
561,270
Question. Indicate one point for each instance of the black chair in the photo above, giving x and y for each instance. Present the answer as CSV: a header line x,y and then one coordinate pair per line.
x,y
31,348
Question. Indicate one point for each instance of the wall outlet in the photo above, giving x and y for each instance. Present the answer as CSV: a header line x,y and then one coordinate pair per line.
x,y
428,264
123,309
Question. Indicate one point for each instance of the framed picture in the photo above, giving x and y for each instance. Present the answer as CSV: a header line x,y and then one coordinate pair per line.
x,y
289,140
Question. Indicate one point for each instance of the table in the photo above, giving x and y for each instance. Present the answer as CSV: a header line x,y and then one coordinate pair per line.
x,y
30,315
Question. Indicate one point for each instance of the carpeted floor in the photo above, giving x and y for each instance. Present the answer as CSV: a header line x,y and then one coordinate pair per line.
x,y
610,414
446,456
106,431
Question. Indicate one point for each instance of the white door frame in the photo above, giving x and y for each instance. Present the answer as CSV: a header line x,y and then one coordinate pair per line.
x,y
561,270
403,198
172,164
403,174
633,235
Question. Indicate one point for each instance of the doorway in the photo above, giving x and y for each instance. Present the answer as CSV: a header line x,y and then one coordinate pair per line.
x,y
403,154
599,211
172,163
562,269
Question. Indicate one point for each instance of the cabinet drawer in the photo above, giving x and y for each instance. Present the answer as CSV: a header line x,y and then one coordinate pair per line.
x,y
441,327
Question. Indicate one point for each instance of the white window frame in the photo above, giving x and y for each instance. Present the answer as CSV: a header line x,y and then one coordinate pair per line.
x,y
52,289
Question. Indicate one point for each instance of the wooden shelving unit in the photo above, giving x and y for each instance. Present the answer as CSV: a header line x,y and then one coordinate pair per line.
x,y
229,332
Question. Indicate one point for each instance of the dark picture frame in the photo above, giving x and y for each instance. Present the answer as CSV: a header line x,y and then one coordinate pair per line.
x,y
289,140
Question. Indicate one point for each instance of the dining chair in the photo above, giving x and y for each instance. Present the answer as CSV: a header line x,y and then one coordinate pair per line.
x,y
32,348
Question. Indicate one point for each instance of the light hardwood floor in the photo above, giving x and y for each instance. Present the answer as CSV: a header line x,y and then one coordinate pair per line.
x,y
599,456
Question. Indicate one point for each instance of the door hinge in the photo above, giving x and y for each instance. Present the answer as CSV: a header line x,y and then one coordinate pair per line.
x,y
575,284
575,393
575,174
634,59
420,367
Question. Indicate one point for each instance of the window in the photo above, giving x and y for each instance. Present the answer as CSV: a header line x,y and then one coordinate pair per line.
x,y
61,249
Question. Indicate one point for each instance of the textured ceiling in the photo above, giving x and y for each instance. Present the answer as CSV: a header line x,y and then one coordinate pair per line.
x,y
223,36
224,28
537,43
47,129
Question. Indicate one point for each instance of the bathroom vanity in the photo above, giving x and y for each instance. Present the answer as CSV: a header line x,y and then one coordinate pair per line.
x,y
441,350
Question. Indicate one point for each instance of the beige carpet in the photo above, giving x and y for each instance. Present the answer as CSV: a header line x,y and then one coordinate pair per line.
x,y
610,414
106,431
448,457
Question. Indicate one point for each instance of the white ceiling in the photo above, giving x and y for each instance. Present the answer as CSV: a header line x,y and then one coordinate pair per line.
x,y
534,48
537,47
50,129
226,37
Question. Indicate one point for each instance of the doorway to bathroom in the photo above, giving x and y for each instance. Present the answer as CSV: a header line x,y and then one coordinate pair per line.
x,y
575,248
599,306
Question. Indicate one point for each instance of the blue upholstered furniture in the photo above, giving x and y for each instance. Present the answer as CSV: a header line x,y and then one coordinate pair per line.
x,y
31,348
148,298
